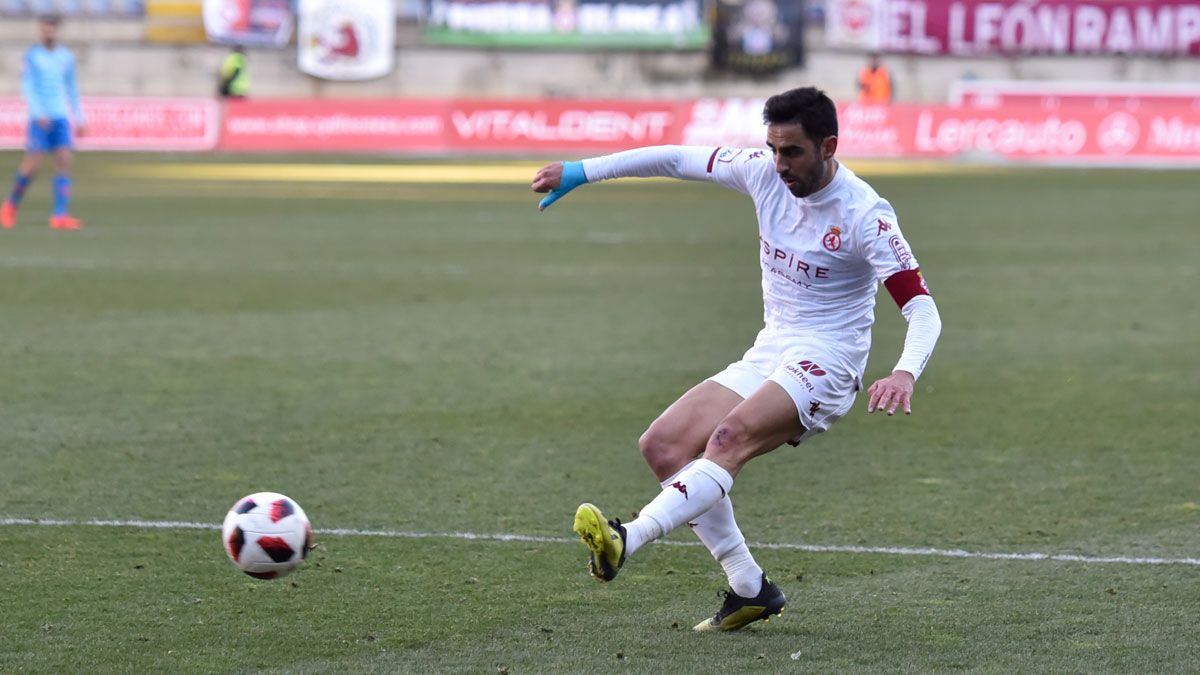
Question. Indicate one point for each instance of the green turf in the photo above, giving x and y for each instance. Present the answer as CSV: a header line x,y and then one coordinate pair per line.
x,y
437,359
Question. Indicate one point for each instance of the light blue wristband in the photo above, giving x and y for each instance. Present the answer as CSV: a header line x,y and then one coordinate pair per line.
x,y
572,177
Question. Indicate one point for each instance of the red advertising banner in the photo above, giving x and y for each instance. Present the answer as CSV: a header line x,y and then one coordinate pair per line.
x,y
1079,135
128,124
303,125
1016,27
447,125
553,125
1165,131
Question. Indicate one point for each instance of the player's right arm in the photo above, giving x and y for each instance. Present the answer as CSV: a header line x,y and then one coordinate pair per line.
x,y
662,161
29,90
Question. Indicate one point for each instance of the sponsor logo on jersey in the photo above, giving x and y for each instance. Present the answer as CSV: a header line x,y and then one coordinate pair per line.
x,y
681,487
833,239
756,154
884,226
901,252
728,155
774,257
813,407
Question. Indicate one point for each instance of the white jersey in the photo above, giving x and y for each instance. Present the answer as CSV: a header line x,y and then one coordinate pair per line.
x,y
822,256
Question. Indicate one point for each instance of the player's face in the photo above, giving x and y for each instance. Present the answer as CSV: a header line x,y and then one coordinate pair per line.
x,y
48,31
802,164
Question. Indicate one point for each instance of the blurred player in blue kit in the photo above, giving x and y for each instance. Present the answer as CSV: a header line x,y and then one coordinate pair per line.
x,y
52,96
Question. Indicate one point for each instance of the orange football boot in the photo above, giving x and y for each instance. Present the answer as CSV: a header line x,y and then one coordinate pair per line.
x,y
8,215
65,223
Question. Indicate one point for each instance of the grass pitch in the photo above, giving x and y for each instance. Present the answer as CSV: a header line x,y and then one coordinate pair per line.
x,y
442,358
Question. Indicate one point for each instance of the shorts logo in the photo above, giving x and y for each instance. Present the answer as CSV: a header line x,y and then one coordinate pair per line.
x,y
901,252
811,368
802,371
833,239
813,407
884,226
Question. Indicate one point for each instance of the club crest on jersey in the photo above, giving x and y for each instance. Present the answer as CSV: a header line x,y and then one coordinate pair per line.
x,y
833,239
901,252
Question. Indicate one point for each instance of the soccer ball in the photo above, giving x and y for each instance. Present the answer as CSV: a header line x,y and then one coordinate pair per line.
x,y
266,535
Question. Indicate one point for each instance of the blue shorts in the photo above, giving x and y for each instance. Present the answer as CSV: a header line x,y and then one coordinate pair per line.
x,y
58,135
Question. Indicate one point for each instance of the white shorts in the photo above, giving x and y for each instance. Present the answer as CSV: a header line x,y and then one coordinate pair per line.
x,y
820,383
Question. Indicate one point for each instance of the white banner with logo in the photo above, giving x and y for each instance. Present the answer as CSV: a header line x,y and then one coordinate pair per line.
x,y
256,23
347,39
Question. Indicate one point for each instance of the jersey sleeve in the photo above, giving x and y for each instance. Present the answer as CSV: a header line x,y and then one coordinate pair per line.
x,y
29,87
663,161
740,169
71,86
885,249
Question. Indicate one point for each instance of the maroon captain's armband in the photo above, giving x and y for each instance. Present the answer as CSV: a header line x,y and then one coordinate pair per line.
x,y
906,285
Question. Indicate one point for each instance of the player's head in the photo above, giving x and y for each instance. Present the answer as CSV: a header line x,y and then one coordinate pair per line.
x,y
48,28
802,133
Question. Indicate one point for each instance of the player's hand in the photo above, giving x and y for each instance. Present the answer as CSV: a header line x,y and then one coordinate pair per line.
x,y
43,123
558,179
891,392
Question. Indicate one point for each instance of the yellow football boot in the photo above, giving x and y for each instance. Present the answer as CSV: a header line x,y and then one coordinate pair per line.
x,y
605,539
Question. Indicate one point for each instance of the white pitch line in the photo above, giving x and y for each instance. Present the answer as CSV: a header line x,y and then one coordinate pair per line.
x,y
535,539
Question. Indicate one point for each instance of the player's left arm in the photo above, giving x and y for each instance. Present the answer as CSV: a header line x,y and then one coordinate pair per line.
x,y
885,248
72,88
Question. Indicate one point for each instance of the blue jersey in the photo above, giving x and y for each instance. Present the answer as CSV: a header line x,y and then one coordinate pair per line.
x,y
48,82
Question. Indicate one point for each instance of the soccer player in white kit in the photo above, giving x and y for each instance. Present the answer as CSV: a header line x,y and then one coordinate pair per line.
x,y
826,239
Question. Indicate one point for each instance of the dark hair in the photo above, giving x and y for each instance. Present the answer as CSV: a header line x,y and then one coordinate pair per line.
x,y
51,19
807,106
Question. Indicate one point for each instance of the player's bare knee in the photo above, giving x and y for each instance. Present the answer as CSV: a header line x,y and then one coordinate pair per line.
x,y
662,452
730,442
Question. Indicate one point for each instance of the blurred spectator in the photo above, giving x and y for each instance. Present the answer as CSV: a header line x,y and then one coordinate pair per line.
x,y
875,83
758,29
73,7
235,82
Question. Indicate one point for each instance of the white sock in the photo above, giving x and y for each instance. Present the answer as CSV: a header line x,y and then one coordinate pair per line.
x,y
695,490
719,532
